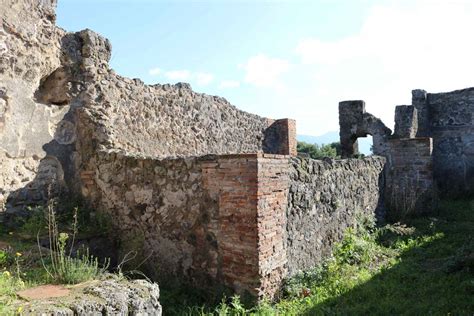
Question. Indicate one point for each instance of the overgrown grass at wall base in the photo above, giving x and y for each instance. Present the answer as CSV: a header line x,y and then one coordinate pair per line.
x,y
423,267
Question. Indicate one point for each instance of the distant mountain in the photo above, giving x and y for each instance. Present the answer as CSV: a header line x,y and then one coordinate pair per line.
x,y
326,138
330,137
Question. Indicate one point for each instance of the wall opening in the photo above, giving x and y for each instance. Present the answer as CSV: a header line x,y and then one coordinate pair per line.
x,y
366,145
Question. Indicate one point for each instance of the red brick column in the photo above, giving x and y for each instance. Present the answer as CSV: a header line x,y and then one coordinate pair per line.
x,y
251,190
273,185
287,128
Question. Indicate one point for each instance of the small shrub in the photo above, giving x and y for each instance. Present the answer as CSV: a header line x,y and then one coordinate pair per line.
x,y
63,268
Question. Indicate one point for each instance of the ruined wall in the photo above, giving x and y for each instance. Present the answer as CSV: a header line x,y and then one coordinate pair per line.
x,y
410,186
160,207
355,122
165,120
324,200
36,136
48,76
406,121
212,220
173,120
451,125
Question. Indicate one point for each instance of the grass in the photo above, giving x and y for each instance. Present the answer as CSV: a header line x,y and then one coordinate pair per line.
x,y
425,267
24,263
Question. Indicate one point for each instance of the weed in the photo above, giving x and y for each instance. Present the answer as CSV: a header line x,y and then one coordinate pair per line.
x,y
63,268
5,258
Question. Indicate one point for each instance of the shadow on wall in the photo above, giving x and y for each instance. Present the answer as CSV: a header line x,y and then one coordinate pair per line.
x,y
55,173
48,182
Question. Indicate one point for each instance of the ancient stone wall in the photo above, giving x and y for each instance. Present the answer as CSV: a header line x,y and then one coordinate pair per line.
x,y
242,221
212,220
48,76
174,121
355,122
451,125
325,199
447,118
410,185
410,177
166,120
159,207
34,150
406,121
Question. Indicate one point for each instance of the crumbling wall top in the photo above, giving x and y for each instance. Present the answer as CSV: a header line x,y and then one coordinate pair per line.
x,y
354,123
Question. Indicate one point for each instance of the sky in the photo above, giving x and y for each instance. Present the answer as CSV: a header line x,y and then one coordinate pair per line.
x,y
289,59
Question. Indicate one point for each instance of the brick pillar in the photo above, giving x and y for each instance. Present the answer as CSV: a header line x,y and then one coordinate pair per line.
x,y
273,185
251,190
280,137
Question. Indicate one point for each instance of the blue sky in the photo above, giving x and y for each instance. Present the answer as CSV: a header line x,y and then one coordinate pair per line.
x,y
294,59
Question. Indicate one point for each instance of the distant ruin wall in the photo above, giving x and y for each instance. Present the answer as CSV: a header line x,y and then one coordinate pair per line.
x,y
355,122
451,117
325,199
410,187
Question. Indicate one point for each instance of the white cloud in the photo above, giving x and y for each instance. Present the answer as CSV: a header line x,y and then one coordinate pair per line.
x,y
229,84
178,74
154,71
203,79
263,71
400,46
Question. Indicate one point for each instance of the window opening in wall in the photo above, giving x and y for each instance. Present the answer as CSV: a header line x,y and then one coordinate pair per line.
x,y
366,145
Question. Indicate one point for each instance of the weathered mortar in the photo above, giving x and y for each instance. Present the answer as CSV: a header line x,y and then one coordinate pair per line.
x,y
326,197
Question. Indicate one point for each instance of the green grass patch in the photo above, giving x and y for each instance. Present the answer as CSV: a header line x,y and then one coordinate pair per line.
x,y
24,263
424,267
